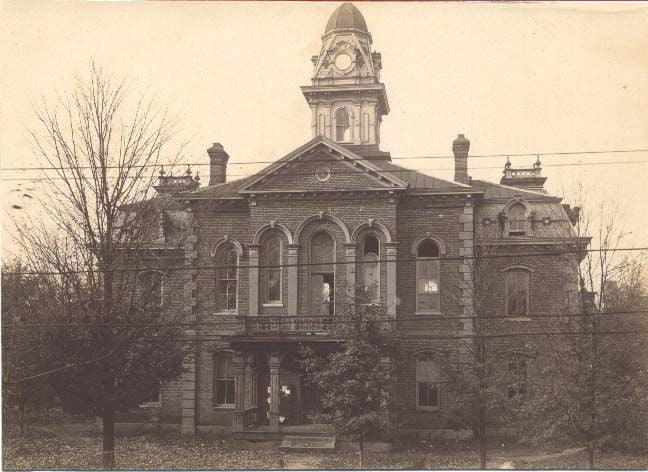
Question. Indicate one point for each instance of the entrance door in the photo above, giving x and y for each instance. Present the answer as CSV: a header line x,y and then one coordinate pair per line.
x,y
311,409
263,390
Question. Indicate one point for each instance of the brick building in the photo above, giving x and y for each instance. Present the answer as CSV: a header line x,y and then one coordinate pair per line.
x,y
294,243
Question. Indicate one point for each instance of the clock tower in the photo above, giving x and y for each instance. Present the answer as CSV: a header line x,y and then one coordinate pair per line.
x,y
346,97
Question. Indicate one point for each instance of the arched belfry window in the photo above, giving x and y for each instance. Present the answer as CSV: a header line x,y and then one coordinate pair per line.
x,y
273,254
322,274
227,277
517,220
371,269
428,274
342,126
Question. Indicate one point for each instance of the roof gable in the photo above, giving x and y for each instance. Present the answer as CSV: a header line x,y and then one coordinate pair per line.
x,y
322,165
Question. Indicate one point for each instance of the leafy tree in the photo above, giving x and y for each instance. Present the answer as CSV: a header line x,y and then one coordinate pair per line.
x,y
357,380
108,338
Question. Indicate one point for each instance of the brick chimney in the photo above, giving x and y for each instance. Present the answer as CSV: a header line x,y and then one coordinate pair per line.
x,y
217,164
460,147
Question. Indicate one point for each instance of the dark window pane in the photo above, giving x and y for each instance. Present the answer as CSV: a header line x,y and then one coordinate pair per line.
x,y
428,248
274,285
371,245
229,394
428,394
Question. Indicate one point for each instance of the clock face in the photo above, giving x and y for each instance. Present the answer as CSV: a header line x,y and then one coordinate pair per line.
x,y
343,61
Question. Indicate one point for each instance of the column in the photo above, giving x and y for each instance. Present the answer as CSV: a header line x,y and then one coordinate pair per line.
x,y
253,283
350,271
293,250
391,254
274,390
239,391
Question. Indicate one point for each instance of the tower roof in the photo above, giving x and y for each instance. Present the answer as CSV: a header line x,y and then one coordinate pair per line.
x,y
346,16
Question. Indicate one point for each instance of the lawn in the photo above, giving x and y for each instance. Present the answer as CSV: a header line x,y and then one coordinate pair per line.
x,y
78,446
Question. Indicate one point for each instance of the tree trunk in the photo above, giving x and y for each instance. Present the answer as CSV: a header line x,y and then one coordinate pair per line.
x,y
361,446
108,438
21,415
590,455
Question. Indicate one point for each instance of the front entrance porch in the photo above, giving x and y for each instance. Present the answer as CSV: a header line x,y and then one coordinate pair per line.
x,y
272,396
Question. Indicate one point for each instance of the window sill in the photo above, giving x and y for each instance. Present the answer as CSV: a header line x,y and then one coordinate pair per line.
x,y
427,312
518,318
223,407
226,312
151,405
371,304
278,305
429,409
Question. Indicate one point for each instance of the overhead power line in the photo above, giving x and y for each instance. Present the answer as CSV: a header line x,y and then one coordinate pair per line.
x,y
333,172
528,154
279,320
302,264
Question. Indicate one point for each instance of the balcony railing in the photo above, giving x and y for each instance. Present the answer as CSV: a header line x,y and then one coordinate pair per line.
x,y
310,325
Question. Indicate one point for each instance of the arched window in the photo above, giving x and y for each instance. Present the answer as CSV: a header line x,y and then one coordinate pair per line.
x,y
517,371
371,269
150,283
516,292
517,220
227,277
322,274
428,277
273,252
342,126
427,383
223,380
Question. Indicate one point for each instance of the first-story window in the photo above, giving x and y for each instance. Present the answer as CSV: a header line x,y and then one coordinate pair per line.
x,y
223,379
516,290
517,369
227,277
428,277
154,398
427,383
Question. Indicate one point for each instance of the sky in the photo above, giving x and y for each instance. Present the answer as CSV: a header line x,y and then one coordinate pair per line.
x,y
514,78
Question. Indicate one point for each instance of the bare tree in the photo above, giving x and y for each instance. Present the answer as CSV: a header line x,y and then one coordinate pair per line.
x,y
106,248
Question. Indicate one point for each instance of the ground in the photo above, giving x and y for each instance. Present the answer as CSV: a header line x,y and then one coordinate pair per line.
x,y
78,446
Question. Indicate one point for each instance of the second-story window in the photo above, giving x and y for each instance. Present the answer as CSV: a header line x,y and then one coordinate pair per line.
x,y
322,274
151,290
428,277
227,277
371,269
516,290
517,220
273,248
517,369
342,126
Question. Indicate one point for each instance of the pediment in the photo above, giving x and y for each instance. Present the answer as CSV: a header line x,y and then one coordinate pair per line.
x,y
322,165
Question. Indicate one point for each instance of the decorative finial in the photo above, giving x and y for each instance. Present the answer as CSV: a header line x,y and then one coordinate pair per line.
x,y
537,163
197,177
162,170
508,162
188,171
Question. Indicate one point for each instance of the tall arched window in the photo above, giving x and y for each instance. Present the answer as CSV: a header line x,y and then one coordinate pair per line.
x,y
150,285
223,380
516,292
322,274
427,383
227,277
371,269
517,220
342,126
428,277
273,252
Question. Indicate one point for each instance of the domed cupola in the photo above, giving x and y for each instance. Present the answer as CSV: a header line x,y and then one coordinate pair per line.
x,y
346,16
346,96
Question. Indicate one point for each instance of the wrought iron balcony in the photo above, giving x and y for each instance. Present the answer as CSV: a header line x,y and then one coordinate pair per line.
x,y
276,325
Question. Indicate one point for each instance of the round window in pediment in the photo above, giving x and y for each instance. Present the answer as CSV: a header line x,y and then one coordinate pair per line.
x,y
322,173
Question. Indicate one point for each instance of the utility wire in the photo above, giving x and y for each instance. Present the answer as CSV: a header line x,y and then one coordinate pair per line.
x,y
306,264
396,172
290,319
544,154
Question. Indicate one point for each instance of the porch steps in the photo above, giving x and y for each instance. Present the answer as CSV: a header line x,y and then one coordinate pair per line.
x,y
308,444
